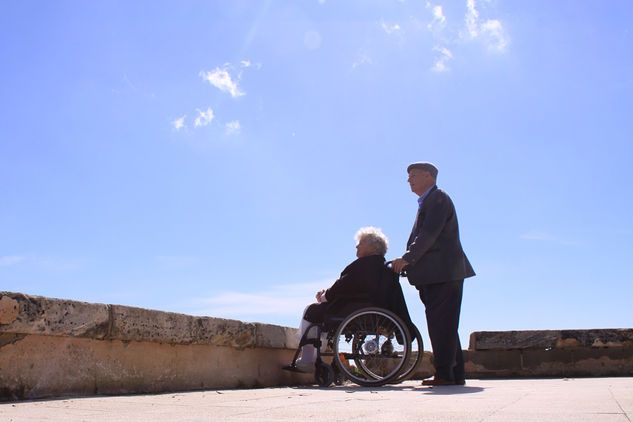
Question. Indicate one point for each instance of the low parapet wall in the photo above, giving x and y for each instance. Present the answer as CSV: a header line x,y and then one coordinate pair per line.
x,y
550,353
56,347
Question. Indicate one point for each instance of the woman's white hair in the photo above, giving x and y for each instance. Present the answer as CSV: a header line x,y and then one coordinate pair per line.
x,y
376,238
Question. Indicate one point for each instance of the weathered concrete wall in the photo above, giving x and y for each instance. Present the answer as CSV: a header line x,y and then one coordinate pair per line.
x,y
550,353
23,314
551,339
55,347
43,366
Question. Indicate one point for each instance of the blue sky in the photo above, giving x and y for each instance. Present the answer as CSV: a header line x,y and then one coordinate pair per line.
x,y
216,158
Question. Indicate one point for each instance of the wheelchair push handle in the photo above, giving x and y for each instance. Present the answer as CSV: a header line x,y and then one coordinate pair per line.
x,y
403,273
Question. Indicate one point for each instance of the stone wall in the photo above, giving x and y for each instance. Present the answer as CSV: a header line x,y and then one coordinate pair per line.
x,y
55,347
550,353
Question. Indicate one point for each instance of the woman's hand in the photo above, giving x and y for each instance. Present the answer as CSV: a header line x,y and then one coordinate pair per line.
x,y
320,296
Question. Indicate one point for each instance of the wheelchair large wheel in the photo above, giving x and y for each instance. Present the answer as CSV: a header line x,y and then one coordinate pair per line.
x,y
371,346
415,357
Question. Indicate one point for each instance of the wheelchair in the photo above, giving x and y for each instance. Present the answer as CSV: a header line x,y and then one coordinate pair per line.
x,y
371,347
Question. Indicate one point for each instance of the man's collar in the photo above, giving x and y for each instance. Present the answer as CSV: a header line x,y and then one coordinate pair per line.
x,y
424,195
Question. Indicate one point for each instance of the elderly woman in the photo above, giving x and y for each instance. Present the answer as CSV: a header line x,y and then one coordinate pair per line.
x,y
356,288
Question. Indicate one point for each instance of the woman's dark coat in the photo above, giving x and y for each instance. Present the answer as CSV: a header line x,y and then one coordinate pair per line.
x,y
365,282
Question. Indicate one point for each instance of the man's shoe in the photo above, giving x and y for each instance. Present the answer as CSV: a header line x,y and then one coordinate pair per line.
x,y
435,382
460,382
299,367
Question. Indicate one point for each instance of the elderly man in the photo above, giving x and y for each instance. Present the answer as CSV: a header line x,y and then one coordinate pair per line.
x,y
437,266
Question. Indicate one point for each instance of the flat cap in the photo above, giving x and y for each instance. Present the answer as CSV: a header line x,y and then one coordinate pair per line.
x,y
423,165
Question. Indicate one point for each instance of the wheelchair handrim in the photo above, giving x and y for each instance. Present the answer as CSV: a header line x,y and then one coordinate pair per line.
x,y
368,367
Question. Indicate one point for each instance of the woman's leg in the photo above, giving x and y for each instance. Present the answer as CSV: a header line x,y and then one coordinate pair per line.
x,y
314,313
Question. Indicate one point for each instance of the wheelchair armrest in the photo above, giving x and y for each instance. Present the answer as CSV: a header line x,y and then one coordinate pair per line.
x,y
331,323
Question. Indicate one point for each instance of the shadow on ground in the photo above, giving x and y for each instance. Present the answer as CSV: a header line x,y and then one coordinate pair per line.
x,y
444,390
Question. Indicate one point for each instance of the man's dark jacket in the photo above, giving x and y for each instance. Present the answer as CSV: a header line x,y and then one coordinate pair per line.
x,y
434,252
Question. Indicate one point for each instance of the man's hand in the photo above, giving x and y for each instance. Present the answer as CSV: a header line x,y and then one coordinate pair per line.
x,y
398,264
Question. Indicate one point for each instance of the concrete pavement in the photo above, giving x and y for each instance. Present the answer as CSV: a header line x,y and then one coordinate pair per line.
x,y
581,399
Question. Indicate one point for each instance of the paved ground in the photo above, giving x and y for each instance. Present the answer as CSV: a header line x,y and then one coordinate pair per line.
x,y
582,399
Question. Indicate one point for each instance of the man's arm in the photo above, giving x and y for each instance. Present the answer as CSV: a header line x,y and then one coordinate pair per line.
x,y
437,211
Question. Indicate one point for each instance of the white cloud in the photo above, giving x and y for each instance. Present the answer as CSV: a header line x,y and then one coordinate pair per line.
x,y
495,35
6,261
204,117
537,235
390,29
233,127
173,261
248,63
282,300
179,123
473,28
233,305
221,79
362,59
225,79
472,19
48,263
439,20
547,237
491,31
441,62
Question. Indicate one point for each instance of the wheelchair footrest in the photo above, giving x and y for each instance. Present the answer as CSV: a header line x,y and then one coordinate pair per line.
x,y
293,368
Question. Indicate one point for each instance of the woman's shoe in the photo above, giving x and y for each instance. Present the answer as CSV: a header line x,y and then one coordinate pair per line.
x,y
300,367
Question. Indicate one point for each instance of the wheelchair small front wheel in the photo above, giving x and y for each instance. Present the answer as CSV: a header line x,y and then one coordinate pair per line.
x,y
324,374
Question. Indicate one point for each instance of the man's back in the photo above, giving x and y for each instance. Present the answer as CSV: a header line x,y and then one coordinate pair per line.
x,y
435,249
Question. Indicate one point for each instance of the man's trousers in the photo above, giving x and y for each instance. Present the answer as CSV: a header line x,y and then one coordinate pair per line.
x,y
443,304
